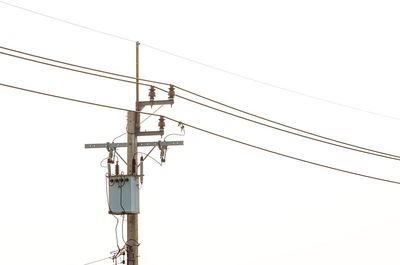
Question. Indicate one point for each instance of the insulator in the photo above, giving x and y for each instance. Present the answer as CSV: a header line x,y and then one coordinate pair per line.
x,y
152,93
165,155
161,123
110,157
162,155
171,92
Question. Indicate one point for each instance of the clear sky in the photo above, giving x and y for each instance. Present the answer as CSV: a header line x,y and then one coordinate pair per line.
x,y
213,201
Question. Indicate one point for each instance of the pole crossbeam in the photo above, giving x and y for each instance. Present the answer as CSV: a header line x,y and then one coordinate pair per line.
x,y
151,103
139,144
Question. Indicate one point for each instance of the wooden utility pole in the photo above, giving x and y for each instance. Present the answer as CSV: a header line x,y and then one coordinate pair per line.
x,y
132,243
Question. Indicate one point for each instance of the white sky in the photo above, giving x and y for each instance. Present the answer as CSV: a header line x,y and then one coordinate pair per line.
x,y
213,202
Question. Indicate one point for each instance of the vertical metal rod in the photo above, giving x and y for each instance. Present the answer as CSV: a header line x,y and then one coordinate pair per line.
x,y
137,77
132,243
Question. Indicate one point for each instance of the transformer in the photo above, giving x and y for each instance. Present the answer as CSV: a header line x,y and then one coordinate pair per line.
x,y
123,194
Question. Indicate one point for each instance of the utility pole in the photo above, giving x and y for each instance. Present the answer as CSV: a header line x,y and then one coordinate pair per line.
x,y
132,244
123,189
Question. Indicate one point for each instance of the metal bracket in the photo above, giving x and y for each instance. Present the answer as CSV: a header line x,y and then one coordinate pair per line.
x,y
123,176
142,104
106,145
160,143
140,144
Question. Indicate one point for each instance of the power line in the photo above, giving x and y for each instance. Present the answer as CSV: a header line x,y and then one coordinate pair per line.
x,y
96,261
287,156
212,133
349,146
269,84
286,126
68,22
74,65
69,99
327,140
72,69
205,64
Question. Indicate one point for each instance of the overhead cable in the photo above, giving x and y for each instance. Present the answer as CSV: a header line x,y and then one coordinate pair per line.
x,y
269,84
203,64
67,98
116,77
73,65
73,69
211,133
97,261
68,22
337,144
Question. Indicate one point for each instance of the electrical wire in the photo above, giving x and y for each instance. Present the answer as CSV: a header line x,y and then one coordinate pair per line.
x,y
175,134
116,232
109,209
96,261
172,134
69,99
285,155
204,64
72,69
120,198
123,231
101,162
73,65
326,140
117,254
148,155
123,238
67,22
269,84
118,137
217,135
339,144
